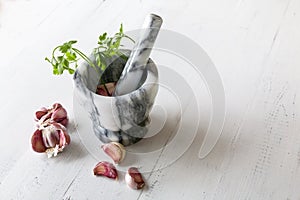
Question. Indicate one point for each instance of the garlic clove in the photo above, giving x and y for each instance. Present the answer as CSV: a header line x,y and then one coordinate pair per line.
x,y
37,142
50,136
134,178
115,150
64,137
60,115
40,113
106,169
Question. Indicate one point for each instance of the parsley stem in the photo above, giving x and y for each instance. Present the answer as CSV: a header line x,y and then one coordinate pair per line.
x,y
84,57
53,53
126,36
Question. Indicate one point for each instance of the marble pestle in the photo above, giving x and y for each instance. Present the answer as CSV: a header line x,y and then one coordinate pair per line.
x,y
132,74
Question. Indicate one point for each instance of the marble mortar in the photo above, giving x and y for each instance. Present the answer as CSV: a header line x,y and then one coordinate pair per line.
x,y
121,118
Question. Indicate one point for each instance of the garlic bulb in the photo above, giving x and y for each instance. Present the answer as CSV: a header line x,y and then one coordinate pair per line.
x,y
51,139
56,113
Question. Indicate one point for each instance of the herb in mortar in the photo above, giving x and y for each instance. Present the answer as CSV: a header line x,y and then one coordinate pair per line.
x,y
65,56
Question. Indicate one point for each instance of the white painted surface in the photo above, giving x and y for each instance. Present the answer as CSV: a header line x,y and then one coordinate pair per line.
x,y
255,45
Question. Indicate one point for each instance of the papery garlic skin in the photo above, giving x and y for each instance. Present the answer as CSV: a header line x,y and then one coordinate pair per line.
x,y
51,139
106,169
53,151
55,113
134,178
115,150
50,136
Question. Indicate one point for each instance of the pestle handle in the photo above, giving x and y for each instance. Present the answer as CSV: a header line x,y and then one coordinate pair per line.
x,y
133,71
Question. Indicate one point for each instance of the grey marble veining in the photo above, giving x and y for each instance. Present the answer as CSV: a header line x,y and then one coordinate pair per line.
x,y
122,118
136,64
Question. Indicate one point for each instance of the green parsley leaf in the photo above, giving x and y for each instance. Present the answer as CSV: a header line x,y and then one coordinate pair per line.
x,y
65,56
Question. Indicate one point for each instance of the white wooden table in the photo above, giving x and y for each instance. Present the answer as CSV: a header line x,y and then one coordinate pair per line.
x,y
255,45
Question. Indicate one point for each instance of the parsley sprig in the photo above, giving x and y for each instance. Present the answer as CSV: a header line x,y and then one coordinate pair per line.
x,y
66,56
108,47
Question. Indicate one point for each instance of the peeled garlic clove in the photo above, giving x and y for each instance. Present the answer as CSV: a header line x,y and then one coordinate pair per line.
x,y
106,169
134,178
115,150
37,142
